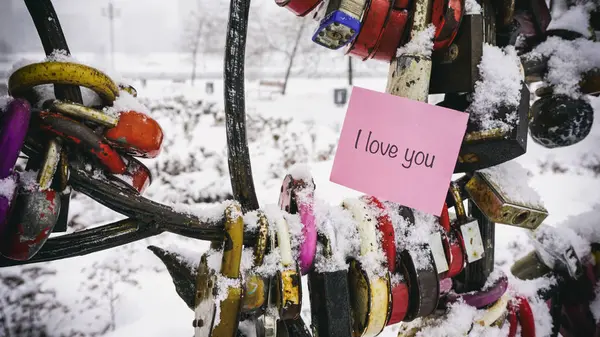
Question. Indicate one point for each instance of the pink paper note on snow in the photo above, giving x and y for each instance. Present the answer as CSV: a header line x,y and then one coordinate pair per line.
x,y
398,149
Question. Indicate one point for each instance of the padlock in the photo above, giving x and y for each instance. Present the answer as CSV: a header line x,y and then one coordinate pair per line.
x,y
299,7
529,267
79,134
297,197
493,313
228,281
483,148
556,252
559,121
453,250
479,254
14,123
340,24
329,292
535,67
33,217
454,69
369,290
490,192
24,79
136,176
392,36
533,17
256,289
446,15
288,284
519,311
399,289
482,298
374,21
423,284
133,132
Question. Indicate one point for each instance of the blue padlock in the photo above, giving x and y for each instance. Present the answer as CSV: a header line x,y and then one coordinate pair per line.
x,y
340,24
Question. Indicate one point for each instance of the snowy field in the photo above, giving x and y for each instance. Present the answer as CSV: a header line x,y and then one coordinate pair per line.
x,y
127,291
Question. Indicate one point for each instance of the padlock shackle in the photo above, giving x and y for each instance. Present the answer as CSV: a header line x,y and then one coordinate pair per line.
x,y
459,207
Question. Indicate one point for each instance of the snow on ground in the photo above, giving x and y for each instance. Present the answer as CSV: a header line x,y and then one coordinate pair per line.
x,y
127,291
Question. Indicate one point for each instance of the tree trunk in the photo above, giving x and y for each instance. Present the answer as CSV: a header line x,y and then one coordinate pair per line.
x,y
194,57
293,56
350,73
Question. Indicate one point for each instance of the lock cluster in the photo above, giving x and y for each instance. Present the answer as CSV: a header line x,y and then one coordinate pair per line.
x,y
60,136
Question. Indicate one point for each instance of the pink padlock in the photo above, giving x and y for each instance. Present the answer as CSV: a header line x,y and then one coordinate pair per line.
x,y
297,196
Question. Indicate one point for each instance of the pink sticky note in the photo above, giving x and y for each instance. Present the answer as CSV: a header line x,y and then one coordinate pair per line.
x,y
398,149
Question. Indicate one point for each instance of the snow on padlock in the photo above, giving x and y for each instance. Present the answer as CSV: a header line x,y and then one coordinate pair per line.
x,y
369,292
299,7
329,290
340,24
297,197
556,252
504,196
130,131
32,220
288,280
224,320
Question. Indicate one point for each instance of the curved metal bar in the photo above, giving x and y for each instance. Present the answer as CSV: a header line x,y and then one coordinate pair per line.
x,y
52,37
240,169
90,241
133,205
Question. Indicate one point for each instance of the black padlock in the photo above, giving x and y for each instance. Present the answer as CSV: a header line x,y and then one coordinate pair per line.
x,y
560,120
485,148
455,69
329,299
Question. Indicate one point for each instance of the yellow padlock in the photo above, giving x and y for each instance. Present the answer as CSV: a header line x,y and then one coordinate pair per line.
x,y
223,322
255,294
288,280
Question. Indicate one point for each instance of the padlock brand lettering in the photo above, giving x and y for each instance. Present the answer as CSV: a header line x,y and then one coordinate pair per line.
x,y
374,147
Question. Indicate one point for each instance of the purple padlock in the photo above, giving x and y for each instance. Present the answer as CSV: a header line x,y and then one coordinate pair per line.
x,y
14,123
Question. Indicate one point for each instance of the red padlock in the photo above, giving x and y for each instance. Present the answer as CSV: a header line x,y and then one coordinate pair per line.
x,y
521,312
137,175
137,134
400,298
299,7
455,254
79,134
393,32
446,15
385,227
376,15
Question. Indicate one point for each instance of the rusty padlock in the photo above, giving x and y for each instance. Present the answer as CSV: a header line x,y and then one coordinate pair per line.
x,y
490,192
131,131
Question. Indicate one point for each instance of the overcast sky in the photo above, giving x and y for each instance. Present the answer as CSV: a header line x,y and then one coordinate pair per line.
x,y
143,26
